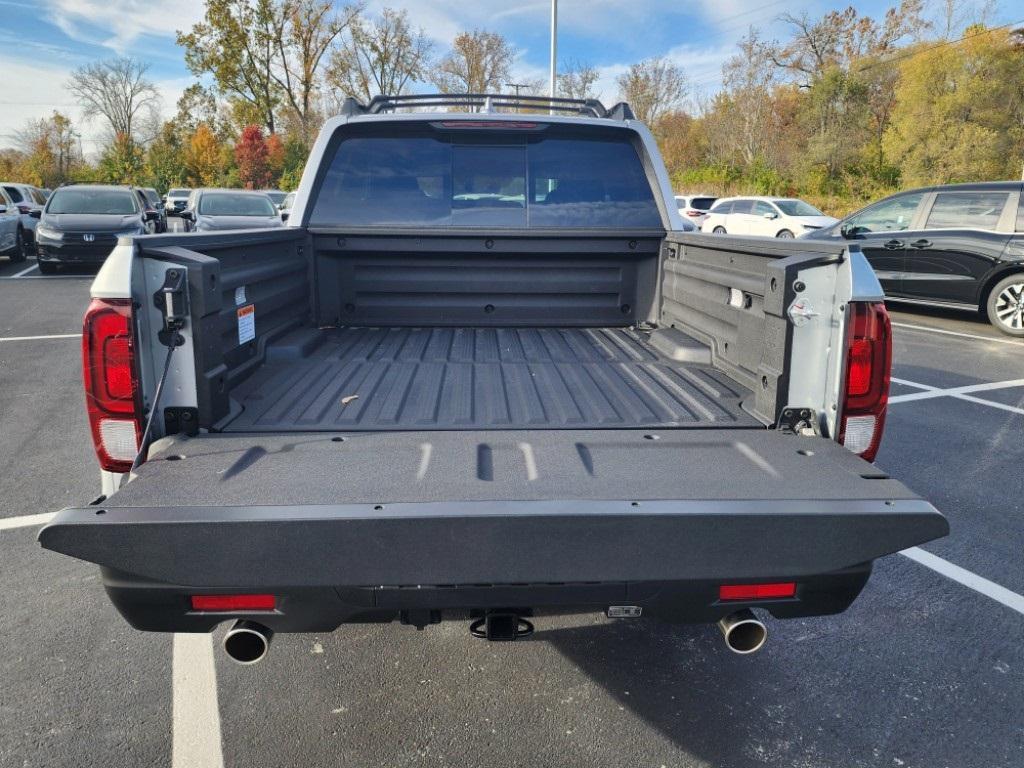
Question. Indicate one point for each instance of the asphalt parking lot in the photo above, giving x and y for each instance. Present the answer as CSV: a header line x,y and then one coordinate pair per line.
x,y
926,669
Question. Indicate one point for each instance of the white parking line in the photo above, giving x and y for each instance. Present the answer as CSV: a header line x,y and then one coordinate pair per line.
x,y
24,271
958,333
930,392
40,338
25,521
195,714
970,580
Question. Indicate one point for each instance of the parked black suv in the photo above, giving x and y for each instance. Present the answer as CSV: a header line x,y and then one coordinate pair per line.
x,y
81,223
960,245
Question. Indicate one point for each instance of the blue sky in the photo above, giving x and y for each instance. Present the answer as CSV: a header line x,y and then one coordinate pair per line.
x,y
41,41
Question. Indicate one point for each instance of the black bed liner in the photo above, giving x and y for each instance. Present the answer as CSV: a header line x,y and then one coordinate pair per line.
x,y
480,378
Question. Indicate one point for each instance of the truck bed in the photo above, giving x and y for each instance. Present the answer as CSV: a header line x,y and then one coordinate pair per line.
x,y
401,378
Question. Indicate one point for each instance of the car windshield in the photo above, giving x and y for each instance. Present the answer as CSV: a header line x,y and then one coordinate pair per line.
x,y
178,192
111,202
227,204
151,195
797,208
277,197
463,178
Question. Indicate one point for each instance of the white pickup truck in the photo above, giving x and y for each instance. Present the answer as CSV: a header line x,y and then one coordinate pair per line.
x,y
485,373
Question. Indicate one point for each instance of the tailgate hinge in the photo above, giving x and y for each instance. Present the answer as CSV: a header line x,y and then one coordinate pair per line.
x,y
799,421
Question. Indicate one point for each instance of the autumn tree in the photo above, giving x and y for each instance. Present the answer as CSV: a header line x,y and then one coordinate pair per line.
x,y
51,150
577,79
968,124
235,44
381,56
276,156
166,158
118,91
304,32
197,104
653,87
203,157
122,162
251,159
479,62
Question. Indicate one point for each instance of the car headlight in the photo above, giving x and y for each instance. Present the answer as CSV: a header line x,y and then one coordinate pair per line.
x,y
48,234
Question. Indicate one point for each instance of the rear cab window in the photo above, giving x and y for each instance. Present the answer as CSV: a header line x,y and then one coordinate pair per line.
x,y
550,178
967,210
702,203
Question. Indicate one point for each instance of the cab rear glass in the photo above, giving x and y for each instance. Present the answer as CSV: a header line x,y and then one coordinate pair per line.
x,y
493,178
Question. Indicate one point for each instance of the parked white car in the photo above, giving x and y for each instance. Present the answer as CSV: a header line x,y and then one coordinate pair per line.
x,y
764,216
694,208
175,200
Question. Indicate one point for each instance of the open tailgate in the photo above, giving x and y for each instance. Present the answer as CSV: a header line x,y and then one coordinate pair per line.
x,y
508,507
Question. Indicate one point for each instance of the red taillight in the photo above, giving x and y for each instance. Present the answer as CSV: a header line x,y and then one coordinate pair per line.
x,y
757,591
111,394
222,603
694,214
866,389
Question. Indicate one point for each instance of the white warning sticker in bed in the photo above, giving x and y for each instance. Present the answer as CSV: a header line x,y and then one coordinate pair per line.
x,y
246,323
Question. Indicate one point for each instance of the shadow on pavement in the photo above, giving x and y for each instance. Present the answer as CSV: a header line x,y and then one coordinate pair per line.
x,y
874,686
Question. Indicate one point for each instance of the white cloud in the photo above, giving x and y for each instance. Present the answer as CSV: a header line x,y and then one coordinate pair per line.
x,y
118,24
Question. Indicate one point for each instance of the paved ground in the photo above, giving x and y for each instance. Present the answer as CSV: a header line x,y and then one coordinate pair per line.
x,y
922,671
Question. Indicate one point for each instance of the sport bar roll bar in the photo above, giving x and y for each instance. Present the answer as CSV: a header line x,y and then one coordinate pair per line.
x,y
486,102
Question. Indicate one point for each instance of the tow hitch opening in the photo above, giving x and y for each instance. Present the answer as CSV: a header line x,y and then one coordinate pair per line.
x,y
502,626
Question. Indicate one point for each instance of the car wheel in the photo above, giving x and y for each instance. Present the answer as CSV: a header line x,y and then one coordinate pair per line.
x,y
1006,305
20,250
719,230
47,267
785,234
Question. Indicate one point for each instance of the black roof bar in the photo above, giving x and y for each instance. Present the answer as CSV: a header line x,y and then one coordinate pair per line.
x,y
485,101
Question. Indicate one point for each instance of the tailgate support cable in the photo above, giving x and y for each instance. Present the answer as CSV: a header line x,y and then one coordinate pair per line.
x,y
172,298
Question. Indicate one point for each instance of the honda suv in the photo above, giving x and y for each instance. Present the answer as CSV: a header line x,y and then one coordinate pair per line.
x,y
959,246
80,224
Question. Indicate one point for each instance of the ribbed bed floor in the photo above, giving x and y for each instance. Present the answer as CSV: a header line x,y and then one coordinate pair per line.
x,y
479,378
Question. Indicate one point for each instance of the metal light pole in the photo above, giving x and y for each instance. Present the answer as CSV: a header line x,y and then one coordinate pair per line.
x,y
554,47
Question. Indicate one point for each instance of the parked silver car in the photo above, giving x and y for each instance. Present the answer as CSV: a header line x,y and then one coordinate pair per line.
x,y
211,210
27,199
12,234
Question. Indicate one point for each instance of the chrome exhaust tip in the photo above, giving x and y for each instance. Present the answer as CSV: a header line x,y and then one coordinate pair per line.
x,y
247,642
743,632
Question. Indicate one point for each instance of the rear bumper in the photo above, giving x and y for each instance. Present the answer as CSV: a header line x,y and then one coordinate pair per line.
x,y
156,607
360,562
